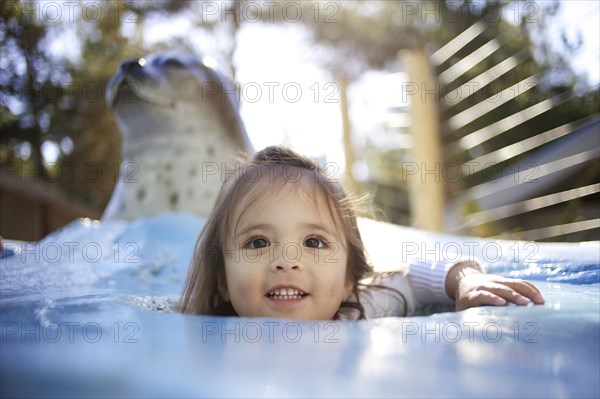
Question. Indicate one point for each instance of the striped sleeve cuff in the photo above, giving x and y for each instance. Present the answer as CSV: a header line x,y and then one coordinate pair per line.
x,y
428,280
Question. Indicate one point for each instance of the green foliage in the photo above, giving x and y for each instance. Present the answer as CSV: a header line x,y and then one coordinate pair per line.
x,y
53,79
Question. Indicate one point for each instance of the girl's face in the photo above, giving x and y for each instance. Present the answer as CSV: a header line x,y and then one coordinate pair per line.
x,y
285,258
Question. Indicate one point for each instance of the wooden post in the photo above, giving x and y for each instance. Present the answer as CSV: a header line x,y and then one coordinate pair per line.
x,y
349,182
424,173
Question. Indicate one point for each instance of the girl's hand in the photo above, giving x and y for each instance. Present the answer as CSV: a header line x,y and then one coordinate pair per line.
x,y
469,287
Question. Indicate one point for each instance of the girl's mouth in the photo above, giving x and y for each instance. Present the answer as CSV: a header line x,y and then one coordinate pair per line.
x,y
286,294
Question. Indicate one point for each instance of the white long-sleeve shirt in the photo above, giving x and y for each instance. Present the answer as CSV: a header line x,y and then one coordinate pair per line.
x,y
421,283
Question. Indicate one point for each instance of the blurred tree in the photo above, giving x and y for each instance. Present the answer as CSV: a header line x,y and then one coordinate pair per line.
x,y
55,65
25,78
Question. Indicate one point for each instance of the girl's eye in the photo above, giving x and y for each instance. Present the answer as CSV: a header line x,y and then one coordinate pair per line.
x,y
257,243
315,242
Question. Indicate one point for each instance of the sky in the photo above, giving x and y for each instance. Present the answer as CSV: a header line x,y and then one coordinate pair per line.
x,y
288,99
583,18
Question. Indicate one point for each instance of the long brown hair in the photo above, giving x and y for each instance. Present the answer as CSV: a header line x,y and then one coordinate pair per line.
x,y
206,276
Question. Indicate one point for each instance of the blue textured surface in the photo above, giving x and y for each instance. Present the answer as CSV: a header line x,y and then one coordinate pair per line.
x,y
76,323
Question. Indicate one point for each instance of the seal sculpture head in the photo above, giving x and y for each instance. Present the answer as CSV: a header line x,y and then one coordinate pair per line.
x,y
181,126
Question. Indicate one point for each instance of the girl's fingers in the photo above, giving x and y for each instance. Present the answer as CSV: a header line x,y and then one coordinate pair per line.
x,y
505,292
526,289
481,289
498,293
480,298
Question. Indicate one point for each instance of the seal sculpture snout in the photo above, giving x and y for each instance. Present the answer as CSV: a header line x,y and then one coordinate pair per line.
x,y
126,77
181,126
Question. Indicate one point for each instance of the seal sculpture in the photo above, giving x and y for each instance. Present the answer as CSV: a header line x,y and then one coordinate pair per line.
x,y
181,127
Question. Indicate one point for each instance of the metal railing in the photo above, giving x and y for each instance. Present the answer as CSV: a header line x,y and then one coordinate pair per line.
x,y
515,173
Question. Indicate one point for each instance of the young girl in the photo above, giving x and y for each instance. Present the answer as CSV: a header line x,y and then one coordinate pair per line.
x,y
283,241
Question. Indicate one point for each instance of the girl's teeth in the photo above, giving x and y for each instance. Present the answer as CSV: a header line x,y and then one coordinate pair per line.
x,y
288,293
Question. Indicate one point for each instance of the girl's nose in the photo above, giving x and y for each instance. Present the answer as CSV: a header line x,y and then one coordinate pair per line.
x,y
287,259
